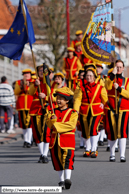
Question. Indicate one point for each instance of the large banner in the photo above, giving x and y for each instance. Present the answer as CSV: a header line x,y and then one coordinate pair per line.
x,y
96,43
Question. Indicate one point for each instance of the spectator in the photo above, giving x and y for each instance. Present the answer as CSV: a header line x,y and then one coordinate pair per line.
x,y
7,101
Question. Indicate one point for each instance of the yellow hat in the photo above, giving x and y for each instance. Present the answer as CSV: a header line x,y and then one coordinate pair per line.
x,y
93,70
110,71
26,71
65,92
70,49
51,69
33,73
59,74
78,32
77,44
99,65
33,77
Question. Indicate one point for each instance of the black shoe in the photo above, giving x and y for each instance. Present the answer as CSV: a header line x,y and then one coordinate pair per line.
x,y
45,159
40,159
68,183
116,150
122,159
108,149
28,145
25,144
105,139
81,147
62,184
112,159
101,143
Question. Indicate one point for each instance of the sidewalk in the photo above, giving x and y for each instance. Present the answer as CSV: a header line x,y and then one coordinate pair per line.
x,y
8,138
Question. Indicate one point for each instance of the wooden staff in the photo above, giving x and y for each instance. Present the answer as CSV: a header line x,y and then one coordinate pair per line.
x,y
24,15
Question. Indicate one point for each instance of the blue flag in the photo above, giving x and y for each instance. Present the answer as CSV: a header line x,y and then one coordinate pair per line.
x,y
12,44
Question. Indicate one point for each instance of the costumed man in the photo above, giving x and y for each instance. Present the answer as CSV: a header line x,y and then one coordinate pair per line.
x,y
89,101
117,124
23,105
38,115
71,68
79,36
100,80
78,50
33,75
62,144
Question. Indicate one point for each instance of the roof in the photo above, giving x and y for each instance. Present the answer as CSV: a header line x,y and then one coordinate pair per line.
x,y
7,12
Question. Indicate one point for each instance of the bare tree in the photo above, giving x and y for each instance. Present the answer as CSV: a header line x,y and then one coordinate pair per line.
x,y
52,24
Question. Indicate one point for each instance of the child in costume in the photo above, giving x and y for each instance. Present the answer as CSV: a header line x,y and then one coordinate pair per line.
x,y
62,143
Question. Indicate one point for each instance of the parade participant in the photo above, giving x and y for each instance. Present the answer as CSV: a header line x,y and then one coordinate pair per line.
x,y
79,36
90,98
117,124
62,144
100,80
40,131
23,105
78,50
71,68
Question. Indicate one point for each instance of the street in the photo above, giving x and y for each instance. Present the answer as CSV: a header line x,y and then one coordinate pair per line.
x,y
19,167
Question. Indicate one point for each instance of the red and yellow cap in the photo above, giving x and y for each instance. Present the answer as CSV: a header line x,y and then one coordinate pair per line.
x,y
33,73
59,74
78,32
65,92
70,49
89,65
77,43
93,70
99,65
26,71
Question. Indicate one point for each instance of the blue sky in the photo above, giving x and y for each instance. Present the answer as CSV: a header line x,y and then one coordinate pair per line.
x,y
117,4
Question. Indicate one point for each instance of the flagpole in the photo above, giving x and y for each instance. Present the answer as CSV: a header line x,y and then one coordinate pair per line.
x,y
32,52
113,41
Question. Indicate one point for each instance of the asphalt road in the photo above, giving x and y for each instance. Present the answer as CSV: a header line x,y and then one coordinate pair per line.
x,y
19,167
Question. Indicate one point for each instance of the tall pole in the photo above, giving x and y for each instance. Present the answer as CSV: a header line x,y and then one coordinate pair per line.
x,y
120,32
113,41
68,23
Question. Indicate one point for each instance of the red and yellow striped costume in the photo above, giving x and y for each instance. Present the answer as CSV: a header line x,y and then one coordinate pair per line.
x,y
62,144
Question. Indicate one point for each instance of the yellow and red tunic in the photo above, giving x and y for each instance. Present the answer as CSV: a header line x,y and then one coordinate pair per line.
x,y
24,100
36,108
117,128
62,143
70,67
88,105
23,104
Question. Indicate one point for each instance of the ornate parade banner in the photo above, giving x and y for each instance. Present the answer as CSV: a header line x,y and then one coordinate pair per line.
x,y
96,43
